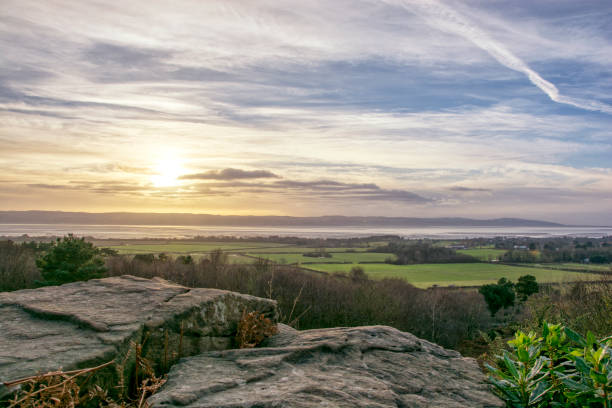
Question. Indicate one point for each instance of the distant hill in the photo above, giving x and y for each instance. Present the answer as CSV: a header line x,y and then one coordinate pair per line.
x,y
125,218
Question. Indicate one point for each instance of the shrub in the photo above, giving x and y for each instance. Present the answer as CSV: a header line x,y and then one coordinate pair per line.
x,y
559,368
526,286
582,306
70,259
148,258
320,253
499,295
357,274
17,266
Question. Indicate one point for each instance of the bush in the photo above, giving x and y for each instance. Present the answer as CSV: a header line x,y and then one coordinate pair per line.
x,y
357,274
70,259
499,295
526,286
17,266
559,368
582,306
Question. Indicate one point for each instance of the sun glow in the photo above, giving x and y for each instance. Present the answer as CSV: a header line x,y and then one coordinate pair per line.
x,y
167,172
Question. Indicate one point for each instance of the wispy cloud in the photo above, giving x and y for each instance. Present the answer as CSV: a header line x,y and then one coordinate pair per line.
x,y
229,174
447,19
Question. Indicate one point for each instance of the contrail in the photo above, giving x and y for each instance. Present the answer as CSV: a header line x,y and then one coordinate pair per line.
x,y
446,19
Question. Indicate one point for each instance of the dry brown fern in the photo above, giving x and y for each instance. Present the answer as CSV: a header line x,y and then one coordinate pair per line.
x,y
253,328
53,389
69,389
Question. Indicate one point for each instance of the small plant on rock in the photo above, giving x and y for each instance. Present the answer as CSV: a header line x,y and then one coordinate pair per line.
x,y
253,328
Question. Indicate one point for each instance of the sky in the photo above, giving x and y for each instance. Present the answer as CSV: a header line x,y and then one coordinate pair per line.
x,y
417,108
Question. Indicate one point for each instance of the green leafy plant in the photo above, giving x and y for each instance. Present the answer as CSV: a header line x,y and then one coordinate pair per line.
x,y
559,368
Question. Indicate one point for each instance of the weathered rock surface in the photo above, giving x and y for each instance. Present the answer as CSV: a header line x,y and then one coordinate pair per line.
x,y
87,323
373,366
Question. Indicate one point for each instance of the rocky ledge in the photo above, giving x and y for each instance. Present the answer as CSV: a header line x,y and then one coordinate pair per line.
x,y
84,324
375,366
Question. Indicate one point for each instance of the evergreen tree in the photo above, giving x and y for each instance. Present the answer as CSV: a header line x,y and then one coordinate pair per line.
x,y
70,259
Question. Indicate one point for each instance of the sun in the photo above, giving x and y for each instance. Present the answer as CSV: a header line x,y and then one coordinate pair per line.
x,y
167,173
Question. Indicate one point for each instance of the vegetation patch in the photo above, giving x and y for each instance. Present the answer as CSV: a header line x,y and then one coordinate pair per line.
x,y
483,254
556,367
336,257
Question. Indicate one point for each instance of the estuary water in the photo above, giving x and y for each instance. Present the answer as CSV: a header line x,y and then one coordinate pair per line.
x,y
179,231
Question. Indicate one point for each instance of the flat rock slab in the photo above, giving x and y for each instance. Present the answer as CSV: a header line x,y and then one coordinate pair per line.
x,y
83,324
374,366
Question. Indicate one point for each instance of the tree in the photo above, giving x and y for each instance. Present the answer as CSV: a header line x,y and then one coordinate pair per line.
x,y
185,259
70,259
499,295
526,286
357,274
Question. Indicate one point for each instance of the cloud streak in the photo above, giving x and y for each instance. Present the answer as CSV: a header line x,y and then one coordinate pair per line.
x,y
446,19
230,174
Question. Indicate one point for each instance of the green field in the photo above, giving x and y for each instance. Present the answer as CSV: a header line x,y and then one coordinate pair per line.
x,y
240,259
294,249
462,274
484,254
575,266
351,257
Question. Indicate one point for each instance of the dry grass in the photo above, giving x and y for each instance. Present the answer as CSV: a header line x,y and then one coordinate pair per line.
x,y
69,389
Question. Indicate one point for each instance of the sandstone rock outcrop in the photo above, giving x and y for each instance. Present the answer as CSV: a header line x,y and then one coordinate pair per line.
x,y
373,366
83,324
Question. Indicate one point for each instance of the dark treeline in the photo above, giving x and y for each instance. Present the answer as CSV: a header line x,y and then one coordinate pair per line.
x,y
309,242
421,252
549,243
596,255
308,301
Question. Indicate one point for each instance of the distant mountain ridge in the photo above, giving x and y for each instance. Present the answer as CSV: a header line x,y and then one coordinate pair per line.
x,y
187,219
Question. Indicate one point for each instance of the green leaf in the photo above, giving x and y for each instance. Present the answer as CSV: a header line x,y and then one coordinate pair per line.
x,y
535,370
575,386
575,337
591,339
539,392
582,366
601,353
598,377
510,365
522,354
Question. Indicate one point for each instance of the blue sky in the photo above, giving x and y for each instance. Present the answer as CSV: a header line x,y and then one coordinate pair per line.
x,y
397,107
